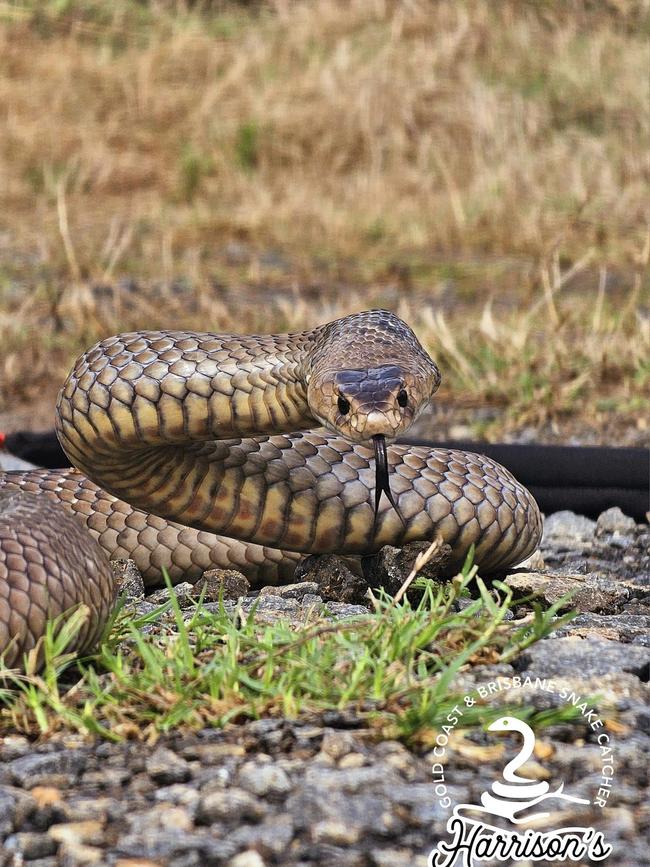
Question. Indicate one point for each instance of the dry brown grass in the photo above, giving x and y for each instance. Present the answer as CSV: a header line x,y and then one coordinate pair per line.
x,y
451,126
416,155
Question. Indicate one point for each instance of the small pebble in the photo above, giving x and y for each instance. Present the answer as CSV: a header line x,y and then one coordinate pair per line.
x,y
338,833
128,579
264,780
165,767
182,592
292,591
337,744
251,858
90,831
31,845
333,577
392,566
614,521
73,854
568,528
352,760
232,803
392,858
221,583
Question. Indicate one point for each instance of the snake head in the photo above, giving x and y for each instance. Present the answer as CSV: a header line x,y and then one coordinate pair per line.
x,y
359,404
368,375
368,381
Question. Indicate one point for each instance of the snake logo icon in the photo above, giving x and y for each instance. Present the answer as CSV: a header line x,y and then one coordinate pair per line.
x,y
481,831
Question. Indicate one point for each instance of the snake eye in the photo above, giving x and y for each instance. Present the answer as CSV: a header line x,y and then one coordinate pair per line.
x,y
402,398
344,406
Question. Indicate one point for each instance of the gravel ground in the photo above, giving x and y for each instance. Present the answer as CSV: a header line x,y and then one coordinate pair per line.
x,y
321,792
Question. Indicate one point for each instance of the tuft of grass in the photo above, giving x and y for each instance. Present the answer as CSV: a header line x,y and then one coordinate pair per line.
x,y
247,145
394,668
194,167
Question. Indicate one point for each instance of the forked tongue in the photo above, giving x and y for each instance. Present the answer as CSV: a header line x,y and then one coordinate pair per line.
x,y
381,476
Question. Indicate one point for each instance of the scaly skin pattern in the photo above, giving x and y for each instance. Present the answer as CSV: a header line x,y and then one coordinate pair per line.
x,y
167,430
48,566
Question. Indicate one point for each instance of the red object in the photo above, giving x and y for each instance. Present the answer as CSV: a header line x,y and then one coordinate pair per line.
x,y
3,437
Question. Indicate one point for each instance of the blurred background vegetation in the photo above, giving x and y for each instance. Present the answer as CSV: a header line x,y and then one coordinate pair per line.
x,y
480,167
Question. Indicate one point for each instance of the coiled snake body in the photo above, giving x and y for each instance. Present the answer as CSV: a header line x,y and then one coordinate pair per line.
x,y
178,436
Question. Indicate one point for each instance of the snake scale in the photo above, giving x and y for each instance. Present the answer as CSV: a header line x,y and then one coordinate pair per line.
x,y
178,436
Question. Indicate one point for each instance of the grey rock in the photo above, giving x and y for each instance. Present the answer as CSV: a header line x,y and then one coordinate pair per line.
x,y
398,757
312,600
339,833
615,521
350,779
161,817
74,854
185,593
368,813
271,838
213,778
30,845
15,807
392,566
326,854
333,577
584,658
341,610
37,769
218,584
265,780
180,795
337,744
390,857
640,607
182,592
271,604
13,747
128,579
87,833
107,778
174,845
221,754
232,803
567,531
587,592
262,728
292,591
424,808
249,858
352,760
634,628
84,808
165,767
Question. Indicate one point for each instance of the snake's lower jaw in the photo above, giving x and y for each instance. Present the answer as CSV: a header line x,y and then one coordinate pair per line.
x,y
382,481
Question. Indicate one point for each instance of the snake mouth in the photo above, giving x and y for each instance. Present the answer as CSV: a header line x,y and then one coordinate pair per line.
x,y
382,484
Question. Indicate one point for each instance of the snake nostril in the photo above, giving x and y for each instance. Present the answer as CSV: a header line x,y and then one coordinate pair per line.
x,y
344,406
